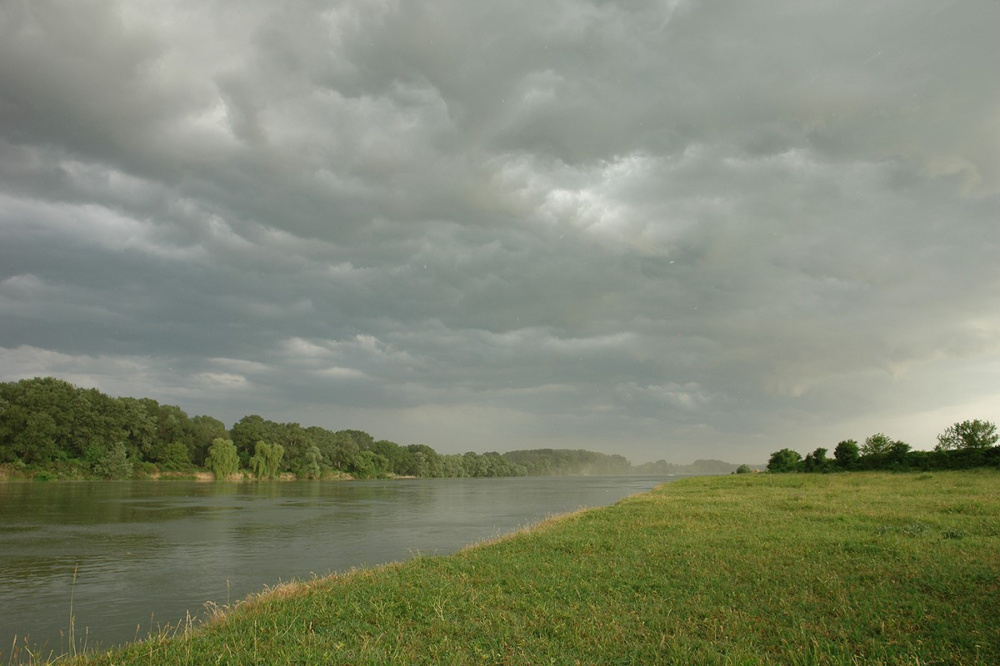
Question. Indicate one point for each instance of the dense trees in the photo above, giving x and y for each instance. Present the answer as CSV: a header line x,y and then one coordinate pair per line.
x,y
541,462
962,445
48,424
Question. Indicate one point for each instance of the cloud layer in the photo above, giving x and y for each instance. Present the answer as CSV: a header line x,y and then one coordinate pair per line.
x,y
664,229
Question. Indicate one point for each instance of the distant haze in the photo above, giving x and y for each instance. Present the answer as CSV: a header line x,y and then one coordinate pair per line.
x,y
671,229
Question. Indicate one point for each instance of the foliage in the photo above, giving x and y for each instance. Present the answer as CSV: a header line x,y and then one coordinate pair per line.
x,y
784,460
174,456
880,452
369,465
572,462
973,434
744,469
114,464
49,423
847,454
312,469
266,460
222,458
816,461
204,431
876,445
245,434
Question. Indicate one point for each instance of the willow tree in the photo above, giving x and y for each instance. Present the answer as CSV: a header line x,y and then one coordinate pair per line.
x,y
266,459
222,458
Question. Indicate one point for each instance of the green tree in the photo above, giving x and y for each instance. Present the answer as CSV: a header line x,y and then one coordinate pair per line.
x,y
424,461
204,431
876,445
744,469
222,458
266,460
173,457
784,460
974,434
247,432
35,441
297,443
847,454
360,437
880,452
369,465
114,464
897,454
45,419
399,457
173,426
312,468
139,417
816,461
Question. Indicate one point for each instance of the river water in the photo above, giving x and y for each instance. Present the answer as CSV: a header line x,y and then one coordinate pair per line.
x,y
129,557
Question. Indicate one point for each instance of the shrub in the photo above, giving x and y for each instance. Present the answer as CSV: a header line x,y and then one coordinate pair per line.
x,y
114,464
784,460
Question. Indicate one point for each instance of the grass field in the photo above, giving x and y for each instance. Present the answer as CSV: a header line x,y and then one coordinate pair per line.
x,y
860,568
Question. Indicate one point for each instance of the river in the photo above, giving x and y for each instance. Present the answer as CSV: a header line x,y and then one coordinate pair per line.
x,y
129,557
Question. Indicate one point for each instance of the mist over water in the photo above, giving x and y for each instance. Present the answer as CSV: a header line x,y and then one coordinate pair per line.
x,y
134,556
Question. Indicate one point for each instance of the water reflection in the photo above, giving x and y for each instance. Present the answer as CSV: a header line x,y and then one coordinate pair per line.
x,y
148,553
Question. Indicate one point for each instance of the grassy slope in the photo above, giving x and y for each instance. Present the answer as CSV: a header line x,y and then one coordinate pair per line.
x,y
859,568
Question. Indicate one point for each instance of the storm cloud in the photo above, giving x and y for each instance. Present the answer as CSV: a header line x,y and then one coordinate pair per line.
x,y
672,229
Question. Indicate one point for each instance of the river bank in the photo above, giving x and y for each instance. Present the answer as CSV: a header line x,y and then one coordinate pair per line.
x,y
11,472
162,549
848,568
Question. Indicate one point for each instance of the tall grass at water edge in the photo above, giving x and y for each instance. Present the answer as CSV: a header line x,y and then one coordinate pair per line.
x,y
861,568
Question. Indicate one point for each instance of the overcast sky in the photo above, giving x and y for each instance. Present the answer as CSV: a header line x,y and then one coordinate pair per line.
x,y
678,229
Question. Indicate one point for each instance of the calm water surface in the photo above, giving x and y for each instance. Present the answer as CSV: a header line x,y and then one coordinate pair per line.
x,y
146,554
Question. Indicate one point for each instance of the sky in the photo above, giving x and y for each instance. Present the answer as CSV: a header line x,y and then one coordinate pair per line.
x,y
673,229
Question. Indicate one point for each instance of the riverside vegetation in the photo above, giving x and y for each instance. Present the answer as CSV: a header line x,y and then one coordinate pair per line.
x,y
50,429
964,445
871,568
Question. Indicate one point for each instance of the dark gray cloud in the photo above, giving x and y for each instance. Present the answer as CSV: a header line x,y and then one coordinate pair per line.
x,y
669,229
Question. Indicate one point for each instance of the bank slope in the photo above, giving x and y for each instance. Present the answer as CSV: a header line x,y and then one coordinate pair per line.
x,y
791,569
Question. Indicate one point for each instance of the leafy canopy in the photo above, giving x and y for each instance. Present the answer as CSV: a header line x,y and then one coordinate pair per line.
x,y
973,434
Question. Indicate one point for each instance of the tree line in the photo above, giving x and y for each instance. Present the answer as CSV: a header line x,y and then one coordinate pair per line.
x,y
962,445
55,429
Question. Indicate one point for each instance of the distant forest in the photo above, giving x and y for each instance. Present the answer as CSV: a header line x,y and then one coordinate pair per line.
x,y
50,428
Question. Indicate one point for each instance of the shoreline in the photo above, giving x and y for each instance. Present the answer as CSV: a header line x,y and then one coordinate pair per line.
x,y
199,475
725,569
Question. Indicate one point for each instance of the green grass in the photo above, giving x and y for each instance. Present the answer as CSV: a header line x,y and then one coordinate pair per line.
x,y
753,569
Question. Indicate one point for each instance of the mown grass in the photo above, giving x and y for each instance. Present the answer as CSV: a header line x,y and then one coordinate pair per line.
x,y
754,569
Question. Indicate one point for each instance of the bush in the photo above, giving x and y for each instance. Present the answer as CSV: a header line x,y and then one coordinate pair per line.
x,y
174,457
114,464
784,460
